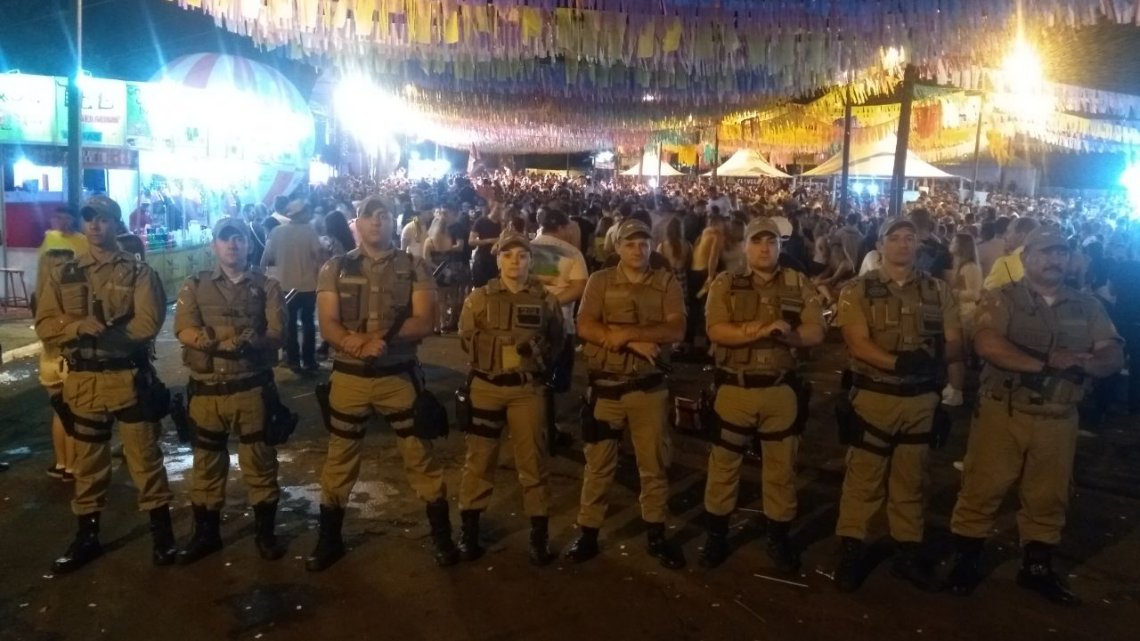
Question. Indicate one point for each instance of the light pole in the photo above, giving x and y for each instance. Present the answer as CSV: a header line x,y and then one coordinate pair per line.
x,y
75,119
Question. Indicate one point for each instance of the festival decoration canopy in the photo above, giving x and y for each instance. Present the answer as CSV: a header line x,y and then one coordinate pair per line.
x,y
747,163
565,75
648,166
877,161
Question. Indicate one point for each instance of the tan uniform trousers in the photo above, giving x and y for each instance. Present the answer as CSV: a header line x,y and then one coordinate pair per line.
x,y
97,400
646,415
743,412
215,418
359,398
1006,445
899,477
522,410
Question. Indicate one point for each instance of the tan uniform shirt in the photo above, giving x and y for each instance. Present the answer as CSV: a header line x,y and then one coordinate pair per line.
x,y
594,299
474,317
132,300
187,313
372,269
719,307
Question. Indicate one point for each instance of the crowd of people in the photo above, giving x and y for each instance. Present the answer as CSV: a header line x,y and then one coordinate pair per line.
x,y
535,272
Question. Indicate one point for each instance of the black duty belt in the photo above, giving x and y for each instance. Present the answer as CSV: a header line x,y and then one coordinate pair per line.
x,y
225,388
104,364
614,392
373,371
513,379
725,377
862,382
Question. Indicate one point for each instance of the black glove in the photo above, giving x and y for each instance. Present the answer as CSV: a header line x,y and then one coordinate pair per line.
x,y
916,363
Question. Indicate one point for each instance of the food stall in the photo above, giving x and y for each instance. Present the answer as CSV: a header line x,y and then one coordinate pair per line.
x,y
208,134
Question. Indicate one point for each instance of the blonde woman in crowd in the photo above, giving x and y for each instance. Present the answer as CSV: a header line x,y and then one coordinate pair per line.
x,y
440,251
967,287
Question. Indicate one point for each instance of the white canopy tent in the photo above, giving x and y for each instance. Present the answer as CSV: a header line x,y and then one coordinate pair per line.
x,y
747,163
649,165
877,161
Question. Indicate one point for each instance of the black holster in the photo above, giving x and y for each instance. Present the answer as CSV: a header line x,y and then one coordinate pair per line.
x,y
803,390
463,407
280,422
63,411
322,392
153,395
848,422
940,428
429,416
591,429
180,416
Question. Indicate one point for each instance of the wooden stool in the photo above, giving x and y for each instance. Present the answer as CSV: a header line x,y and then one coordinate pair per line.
x,y
11,299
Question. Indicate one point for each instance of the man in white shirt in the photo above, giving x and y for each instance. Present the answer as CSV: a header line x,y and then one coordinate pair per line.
x,y
562,269
414,234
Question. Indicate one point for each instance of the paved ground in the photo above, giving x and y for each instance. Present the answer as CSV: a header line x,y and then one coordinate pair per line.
x,y
17,337
388,587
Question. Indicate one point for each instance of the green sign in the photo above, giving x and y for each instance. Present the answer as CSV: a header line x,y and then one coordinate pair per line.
x,y
27,108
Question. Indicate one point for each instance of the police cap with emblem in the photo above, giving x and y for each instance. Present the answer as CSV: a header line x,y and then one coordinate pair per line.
x,y
508,240
101,207
227,227
892,225
759,226
631,227
1044,237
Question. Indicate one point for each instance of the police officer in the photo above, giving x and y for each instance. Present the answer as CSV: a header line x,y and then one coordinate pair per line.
x,y
1041,341
627,314
230,322
375,304
754,320
102,310
511,327
901,327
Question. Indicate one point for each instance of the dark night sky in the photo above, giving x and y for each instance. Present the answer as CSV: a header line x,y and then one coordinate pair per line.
x,y
124,39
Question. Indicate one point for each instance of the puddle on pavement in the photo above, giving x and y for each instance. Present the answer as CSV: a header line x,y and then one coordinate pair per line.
x,y
181,461
16,376
369,497
18,451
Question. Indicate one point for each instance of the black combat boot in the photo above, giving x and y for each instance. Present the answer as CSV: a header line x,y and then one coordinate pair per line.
x,y
1037,574
84,549
667,553
330,545
849,569
585,547
444,548
539,549
966,572
162,533
716,542
784,555
469,548
912,564
207,536
264,520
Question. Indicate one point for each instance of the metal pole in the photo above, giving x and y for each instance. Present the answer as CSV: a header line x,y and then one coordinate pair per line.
x,y
844,200
898,178
3,215
659,164
567,165
977,148
75,118
641,165
716,152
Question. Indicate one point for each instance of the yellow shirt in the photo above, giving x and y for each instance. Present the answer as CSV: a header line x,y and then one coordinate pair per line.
x,y
1007,269
73,242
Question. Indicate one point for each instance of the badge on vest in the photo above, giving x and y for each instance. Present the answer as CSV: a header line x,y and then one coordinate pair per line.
x,y
528,316
877,289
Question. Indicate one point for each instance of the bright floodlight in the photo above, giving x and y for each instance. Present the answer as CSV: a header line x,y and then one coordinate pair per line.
x,y
370,114
873,189
653,183
1130,180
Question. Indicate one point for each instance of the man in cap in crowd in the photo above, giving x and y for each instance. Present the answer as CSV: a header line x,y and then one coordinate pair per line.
x,y
628,317
755,319
510,327
231,322
901,327
102,309
295,251
1041,342
376,304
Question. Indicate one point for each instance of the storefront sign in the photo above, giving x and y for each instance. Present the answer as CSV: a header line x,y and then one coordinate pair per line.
x,y
104,111
27,108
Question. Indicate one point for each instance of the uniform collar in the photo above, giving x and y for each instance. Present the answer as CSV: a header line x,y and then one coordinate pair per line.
x,y
382,256
1064,293
622,278
886,279
88,259
756,277
218,274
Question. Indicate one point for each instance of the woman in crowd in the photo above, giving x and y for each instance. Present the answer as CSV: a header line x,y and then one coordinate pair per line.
x,y
676,250
440,253
967,287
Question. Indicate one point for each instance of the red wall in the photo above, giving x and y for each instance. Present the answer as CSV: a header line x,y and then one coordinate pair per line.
x,y
25,223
